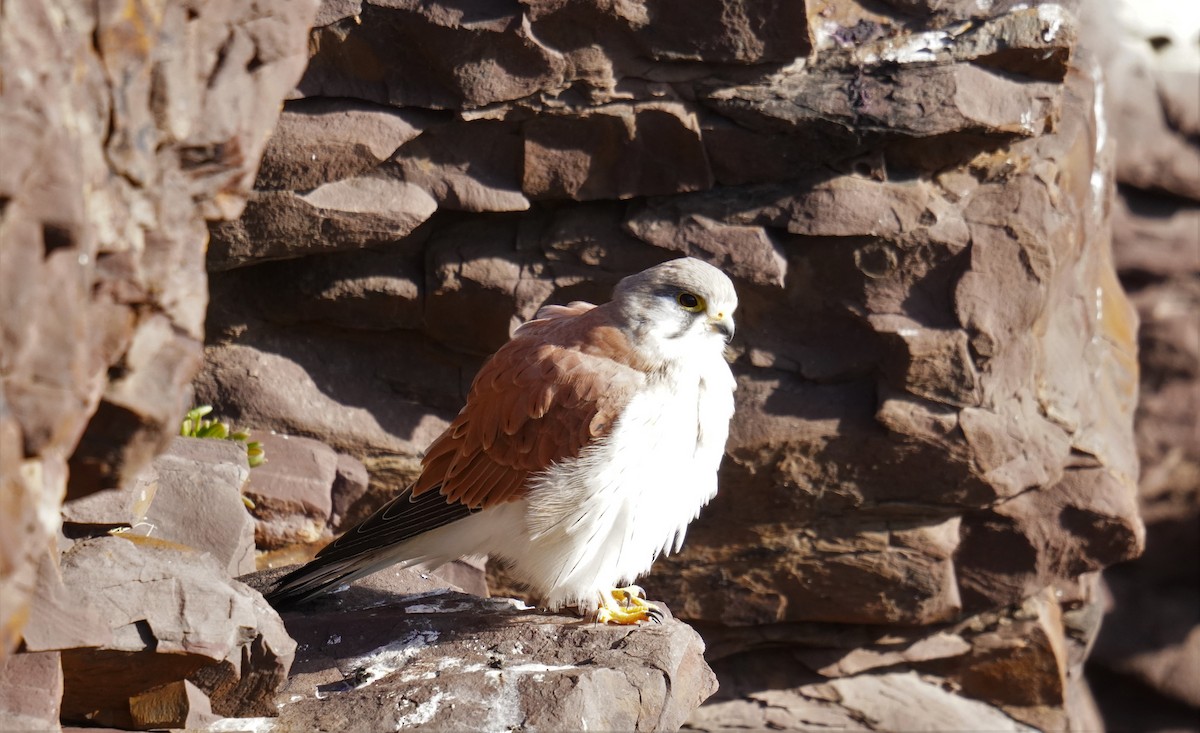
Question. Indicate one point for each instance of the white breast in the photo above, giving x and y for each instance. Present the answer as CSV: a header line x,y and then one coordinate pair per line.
x,y
601,519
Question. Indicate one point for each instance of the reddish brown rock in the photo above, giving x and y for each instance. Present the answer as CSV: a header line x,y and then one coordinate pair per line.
x,y
167,627
617,152
191,496
292,491
1155,235
31,686
472,166
1144,667
127,128
935,359
174,705
322,140
350,484
346,214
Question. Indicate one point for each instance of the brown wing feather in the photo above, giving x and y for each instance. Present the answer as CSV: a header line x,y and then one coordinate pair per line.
x,y
559,384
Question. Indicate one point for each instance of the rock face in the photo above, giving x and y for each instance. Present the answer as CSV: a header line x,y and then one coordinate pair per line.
x,y
151,630
190,496
936,362
125,127
1148,657
167,627
397,652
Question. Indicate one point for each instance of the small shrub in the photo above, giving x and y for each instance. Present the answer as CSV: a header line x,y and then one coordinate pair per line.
x,y
196,425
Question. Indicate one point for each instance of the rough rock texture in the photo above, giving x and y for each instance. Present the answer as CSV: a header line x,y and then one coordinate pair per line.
x,y
1148,657
292,491
936,362
397,652
172,615
30,691
190,496
125,126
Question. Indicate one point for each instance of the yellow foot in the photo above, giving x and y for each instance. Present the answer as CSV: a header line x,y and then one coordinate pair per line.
x,y
626,606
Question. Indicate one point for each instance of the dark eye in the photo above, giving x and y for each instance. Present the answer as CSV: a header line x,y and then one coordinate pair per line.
x,y
690,302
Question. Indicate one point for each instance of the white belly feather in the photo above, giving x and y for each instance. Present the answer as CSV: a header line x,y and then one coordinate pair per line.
x,y
601,519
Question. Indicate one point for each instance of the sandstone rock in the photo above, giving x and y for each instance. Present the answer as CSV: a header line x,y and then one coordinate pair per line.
x,y
61,622
174,615
319,141
1014,668
935,359
472,166
369,209
437,659
292,491
864,703
273,384
177,704
365,289
127,128
1145,656
616,152
199,501
191,496
444,57
1150,61
1155,235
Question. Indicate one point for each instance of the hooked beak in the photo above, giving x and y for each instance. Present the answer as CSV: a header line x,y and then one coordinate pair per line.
x,y
723,324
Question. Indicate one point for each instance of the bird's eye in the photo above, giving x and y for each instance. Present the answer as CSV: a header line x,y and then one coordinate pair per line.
x,y
690,302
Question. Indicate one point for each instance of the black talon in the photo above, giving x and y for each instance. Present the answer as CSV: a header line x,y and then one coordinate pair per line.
x,y
656,615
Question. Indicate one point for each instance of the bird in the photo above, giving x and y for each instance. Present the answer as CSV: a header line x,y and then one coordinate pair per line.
x,y
587,445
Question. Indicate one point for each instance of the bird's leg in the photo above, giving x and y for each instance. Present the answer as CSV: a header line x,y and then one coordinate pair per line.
x,y
626,606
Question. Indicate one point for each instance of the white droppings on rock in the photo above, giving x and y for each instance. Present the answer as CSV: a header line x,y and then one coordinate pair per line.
x,y
242,725
423,713
535,667
1052,17
438,607
379,663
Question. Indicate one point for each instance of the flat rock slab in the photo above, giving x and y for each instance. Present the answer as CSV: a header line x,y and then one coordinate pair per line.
x,y
371,659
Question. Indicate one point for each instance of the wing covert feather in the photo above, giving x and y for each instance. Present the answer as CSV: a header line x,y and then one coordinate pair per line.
x,y
558,385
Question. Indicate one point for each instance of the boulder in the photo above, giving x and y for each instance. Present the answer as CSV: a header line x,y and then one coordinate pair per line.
x,y
191,496
392,652
173,615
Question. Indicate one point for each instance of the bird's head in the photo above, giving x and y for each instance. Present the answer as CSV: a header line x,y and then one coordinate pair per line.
x,y
678,305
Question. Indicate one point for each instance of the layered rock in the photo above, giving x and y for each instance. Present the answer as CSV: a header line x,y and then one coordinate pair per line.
x,y
151,630
936,363
167,628
125,128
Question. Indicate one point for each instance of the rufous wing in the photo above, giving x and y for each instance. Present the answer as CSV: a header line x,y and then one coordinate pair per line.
x,y
560,384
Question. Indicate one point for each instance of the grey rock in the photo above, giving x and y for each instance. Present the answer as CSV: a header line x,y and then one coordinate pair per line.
x,y
439,659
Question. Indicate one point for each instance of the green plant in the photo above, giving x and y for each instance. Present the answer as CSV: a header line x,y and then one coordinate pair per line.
x,y
196,425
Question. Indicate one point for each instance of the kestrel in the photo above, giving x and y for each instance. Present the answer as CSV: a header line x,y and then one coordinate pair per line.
x,y
587,445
